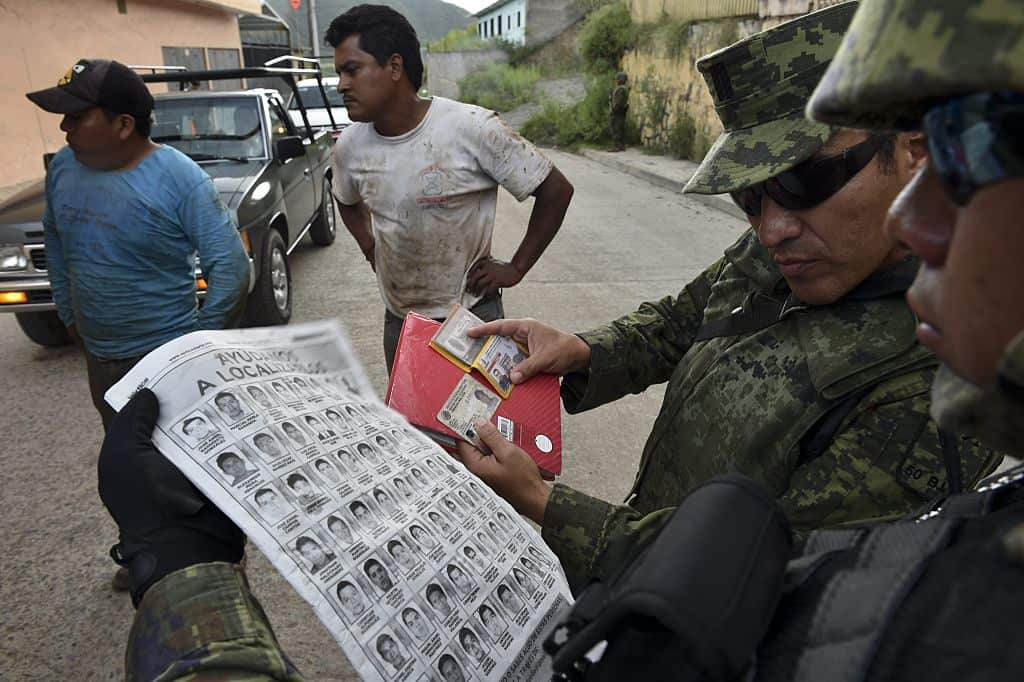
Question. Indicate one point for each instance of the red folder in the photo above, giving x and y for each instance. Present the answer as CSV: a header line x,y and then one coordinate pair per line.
x,y
422,379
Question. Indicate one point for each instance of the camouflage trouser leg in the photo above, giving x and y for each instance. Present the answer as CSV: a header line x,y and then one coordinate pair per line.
x,y
619,130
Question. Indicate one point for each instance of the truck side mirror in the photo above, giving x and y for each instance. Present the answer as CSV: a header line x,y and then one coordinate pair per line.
x,y
290,147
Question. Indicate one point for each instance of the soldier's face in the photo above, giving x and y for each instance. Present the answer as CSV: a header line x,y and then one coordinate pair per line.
x,y
968,293
826,251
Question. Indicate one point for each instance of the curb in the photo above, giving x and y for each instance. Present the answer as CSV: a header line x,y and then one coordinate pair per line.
x,y
718,202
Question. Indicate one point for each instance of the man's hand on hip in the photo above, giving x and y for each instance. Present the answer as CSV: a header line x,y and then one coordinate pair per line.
x,y
552,351
508,470
488,275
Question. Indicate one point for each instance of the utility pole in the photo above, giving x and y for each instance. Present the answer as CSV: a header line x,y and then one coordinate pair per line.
x,y
314,32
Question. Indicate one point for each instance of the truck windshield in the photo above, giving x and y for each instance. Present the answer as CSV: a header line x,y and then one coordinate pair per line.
x,y
209,128
312,98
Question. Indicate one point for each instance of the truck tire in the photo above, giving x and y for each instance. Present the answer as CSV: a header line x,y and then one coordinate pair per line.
x,y
44,328
324,228
271,299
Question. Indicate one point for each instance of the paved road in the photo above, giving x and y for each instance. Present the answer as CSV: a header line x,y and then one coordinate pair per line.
x,y
624,241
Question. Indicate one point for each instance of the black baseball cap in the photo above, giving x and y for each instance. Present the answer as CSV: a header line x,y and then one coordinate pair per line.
x,y
97,83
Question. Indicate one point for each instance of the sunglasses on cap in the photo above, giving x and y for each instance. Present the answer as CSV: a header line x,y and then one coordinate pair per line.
x,y
808,184
976,141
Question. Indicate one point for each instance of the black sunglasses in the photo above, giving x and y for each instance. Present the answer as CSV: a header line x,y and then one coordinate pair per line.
x,y
808,184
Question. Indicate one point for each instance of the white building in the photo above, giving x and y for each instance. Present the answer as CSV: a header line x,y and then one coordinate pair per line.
x,y
504,20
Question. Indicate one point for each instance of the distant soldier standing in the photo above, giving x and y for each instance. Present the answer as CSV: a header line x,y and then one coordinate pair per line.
x,y
618,104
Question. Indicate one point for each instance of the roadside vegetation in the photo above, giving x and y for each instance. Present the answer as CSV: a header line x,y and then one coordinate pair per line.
x,y
459,40
500,87
606,35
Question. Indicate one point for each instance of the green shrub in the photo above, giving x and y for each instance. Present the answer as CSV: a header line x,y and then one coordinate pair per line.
x,y
605,37
569,127
500,87
681,137
458,40
677,35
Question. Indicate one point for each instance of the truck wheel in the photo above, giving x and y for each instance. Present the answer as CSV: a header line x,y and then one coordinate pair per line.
x,y
271,299
44,328
324,228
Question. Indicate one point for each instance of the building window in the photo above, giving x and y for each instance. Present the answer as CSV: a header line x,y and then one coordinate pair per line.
x,y
499,25
224,58
192,58
492,26
519,19
510,22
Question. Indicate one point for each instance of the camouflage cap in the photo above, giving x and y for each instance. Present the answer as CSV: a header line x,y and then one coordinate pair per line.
x,y
901,56
760,86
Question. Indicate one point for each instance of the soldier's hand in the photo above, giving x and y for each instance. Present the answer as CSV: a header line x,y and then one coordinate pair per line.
x,y
488,275
552,351
164,522
508,470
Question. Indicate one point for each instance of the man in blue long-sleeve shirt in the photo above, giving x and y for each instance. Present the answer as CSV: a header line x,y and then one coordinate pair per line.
x,y
124,219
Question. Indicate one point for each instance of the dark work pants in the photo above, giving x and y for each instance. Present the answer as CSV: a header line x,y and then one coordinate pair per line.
x,y
102,375
487,308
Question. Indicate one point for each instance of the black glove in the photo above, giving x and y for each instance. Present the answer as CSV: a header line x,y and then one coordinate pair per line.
x,y
165,523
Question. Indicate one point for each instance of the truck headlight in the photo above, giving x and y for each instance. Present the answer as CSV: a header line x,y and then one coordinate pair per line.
x,y
12,258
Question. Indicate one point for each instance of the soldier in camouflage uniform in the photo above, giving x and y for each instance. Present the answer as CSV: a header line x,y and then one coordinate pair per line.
x,y
618,105
792,360
951,609
201,622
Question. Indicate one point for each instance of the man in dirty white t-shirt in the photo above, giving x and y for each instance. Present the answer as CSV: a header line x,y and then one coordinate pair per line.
x,y
417,179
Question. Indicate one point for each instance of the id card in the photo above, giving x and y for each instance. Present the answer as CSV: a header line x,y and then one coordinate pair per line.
x,y
468,402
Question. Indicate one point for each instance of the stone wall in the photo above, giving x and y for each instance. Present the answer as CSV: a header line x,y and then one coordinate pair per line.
x,y
546,19
669,101
446,69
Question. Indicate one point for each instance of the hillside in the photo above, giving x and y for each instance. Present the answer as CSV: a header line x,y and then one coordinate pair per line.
x,y
432,19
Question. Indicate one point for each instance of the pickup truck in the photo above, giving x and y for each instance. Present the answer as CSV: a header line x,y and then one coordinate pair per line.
x,y
274,175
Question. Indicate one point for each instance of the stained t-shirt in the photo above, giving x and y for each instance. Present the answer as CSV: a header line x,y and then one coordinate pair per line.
x,y
432,193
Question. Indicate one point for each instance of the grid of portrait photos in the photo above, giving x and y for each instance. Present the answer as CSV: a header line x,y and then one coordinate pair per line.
x,y
431,575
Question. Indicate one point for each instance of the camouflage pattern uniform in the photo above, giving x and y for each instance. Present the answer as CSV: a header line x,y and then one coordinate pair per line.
x,y
203,623
745,400
618,105
901,57
961,620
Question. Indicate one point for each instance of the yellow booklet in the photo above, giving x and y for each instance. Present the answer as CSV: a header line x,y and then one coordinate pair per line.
x,y
494,356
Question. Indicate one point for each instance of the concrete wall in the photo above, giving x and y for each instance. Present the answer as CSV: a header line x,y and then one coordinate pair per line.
x,y
546,19
41,39
446,69
667,92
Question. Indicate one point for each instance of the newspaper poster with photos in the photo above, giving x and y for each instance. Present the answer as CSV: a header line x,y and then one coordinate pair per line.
x,y
417,569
